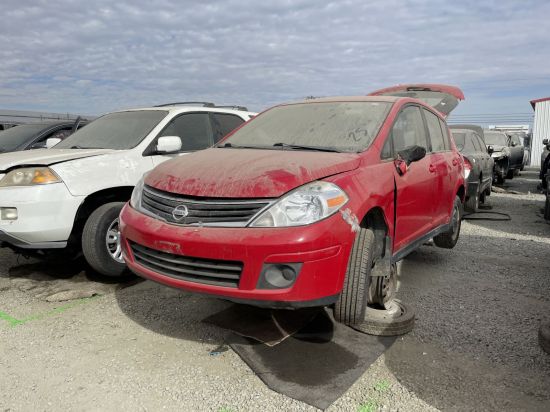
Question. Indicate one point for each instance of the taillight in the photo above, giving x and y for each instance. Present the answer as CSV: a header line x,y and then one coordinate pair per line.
x,y
467,168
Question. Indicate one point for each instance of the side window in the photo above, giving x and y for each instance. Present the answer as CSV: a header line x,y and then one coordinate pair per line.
x,y
62,134
434,128
445,132
223,123
193,130
481,144
408,129
386,150
477,143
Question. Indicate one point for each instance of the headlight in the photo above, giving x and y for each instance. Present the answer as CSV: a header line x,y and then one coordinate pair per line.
x,y
30,176
135,200
307,204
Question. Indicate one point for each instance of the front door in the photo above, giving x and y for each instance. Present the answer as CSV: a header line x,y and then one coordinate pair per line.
x,y
415,188
193,129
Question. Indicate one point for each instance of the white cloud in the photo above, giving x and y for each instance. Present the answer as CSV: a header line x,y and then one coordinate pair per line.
x,y
95,57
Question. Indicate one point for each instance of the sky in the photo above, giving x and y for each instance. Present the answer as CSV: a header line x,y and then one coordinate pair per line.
x,y
98,56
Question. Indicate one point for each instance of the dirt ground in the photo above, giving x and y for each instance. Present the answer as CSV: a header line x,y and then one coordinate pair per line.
x,y
141,346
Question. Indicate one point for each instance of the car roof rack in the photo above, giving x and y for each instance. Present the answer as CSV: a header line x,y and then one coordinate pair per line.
x,y
242,108
204,104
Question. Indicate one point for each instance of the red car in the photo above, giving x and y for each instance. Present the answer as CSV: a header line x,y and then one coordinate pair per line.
x,y
307,204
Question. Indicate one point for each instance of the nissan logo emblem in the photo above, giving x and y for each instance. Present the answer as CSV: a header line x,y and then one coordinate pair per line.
x,y
180,212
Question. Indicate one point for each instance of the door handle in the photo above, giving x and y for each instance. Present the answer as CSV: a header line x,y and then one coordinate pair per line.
x,y
432,169
455,162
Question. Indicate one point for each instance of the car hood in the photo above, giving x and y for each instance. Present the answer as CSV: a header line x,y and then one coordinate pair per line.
x,y
247,173
46,157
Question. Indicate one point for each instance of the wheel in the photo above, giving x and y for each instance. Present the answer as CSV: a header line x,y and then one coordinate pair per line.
x,y
500,178
397,319
351,305
510,174
101,240
449,238
472,204
381,289
547,206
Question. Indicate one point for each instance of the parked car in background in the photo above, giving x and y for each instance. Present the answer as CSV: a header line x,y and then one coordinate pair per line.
x,y
507,154
545,162
68,198
308,204
478,165
35,135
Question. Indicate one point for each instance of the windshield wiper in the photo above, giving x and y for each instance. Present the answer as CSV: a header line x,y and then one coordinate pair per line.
x,y
236,146
300,147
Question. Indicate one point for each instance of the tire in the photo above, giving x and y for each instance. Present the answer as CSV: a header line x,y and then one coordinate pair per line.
x,y
351,306
448,239
385,323
510,174
94,240
472,204
500,179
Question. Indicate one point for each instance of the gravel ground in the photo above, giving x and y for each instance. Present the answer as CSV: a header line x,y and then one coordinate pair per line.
x,y
143,347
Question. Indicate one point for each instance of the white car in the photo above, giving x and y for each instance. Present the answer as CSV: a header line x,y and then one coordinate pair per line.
x,y
68,198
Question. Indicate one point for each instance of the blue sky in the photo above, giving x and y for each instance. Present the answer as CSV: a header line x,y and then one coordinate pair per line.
x,y
94,57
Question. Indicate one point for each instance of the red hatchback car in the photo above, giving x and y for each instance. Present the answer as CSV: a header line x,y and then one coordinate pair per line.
x,y
307,204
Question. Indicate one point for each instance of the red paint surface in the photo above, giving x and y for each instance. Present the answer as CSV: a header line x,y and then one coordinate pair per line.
x,y
247,173
425,195
443,88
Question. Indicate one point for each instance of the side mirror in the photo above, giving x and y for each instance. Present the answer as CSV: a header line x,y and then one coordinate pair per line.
x,y
52,141
412,154
514,144
407,156
545,142
490,149
169,144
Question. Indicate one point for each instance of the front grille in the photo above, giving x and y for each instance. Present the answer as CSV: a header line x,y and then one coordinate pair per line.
x,y
207,271
200,210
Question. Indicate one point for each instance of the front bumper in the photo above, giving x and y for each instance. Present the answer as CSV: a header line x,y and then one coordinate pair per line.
x,y
45,216
322,249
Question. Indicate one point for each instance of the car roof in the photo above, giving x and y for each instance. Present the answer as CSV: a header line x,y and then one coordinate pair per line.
x,y
188,108
388,99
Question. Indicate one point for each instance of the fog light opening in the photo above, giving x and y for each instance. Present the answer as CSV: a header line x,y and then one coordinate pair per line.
x,y
279,275
8,213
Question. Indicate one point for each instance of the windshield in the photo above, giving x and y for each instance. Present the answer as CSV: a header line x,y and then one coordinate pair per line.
x,y
495,138
464,142
341,126
12,138
118,131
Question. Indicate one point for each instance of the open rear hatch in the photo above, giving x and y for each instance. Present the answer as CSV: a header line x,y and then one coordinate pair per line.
x,y
441,97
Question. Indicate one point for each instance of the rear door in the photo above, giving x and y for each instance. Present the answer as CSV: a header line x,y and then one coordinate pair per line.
x,y
415,189
441,97
441,166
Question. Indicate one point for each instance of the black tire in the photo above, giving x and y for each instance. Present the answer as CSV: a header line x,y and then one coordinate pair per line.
x,y
383,323
510,174
351,305
500,179
547,206
94,243
472,204
448,239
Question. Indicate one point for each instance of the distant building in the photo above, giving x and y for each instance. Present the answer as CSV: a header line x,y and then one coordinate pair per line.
x,y
541,127
10,118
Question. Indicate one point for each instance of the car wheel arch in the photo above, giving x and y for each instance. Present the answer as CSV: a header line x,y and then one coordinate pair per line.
x,y
375,219
92,202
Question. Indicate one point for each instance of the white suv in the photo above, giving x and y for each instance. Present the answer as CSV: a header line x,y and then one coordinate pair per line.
x,y
67,199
